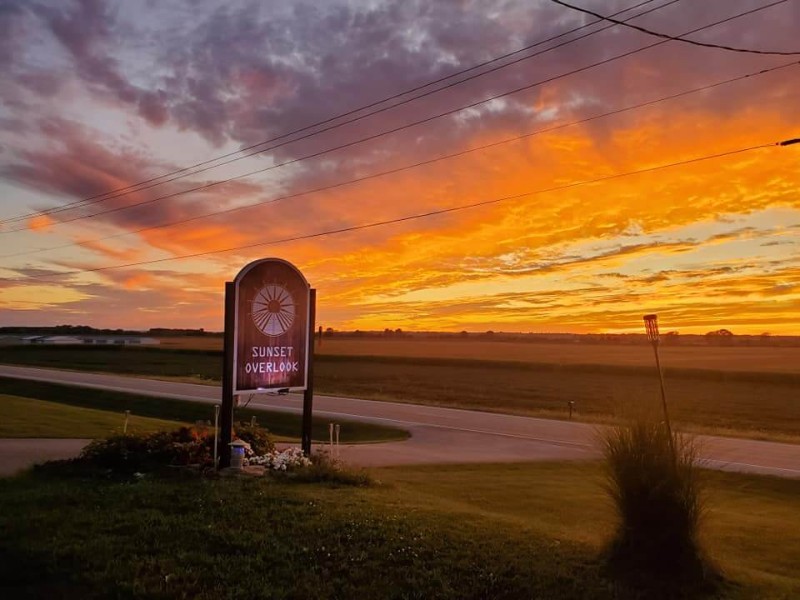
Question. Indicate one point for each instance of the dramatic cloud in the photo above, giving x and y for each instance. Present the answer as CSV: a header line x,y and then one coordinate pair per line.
x,y
101,95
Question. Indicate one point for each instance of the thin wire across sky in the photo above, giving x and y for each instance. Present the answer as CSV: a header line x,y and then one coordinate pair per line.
x,y
244,152
238,209
188,171
434,213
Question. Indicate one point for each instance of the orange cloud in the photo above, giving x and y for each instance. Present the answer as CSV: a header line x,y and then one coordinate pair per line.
x,y
542,261
40,223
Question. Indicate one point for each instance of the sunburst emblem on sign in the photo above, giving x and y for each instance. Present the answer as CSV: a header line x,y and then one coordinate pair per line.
x,y
273,310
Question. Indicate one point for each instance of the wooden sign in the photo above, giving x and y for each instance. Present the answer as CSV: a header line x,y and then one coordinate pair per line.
x,y
271,328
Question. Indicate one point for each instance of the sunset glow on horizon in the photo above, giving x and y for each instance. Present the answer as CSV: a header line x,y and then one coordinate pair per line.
x,y
99,96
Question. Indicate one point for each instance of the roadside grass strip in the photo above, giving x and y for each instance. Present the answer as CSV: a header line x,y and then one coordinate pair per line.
x,y
29,418
281,425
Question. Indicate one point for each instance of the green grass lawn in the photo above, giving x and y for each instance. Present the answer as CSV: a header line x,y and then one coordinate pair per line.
x,y
29,418
751,528
757,405
510,531
168,411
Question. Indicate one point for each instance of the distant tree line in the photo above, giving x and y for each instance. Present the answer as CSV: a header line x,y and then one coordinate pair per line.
x,y
66,330
87,330
168,332
716,337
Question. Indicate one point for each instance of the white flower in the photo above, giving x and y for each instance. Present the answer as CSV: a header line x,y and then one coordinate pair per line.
x,y
287,460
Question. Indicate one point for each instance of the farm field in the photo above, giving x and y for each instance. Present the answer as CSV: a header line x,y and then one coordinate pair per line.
x,y
760,405
205,342
541,528
759,359
721,404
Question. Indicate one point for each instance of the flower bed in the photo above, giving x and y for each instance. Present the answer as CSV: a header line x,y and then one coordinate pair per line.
x,y
183,447
286,460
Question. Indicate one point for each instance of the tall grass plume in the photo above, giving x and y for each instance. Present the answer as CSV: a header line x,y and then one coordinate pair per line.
x,y
657,491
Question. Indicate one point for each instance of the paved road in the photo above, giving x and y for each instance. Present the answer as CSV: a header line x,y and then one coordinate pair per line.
x,y
19,454
443,435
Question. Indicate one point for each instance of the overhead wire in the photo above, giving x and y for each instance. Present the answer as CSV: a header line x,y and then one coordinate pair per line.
x,y
414,165
427,214
680,38
401,127
194,170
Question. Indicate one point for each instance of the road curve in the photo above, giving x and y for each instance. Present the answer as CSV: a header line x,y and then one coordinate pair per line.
x,y
442,435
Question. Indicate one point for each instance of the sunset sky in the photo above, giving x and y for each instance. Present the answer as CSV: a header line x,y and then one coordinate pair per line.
x,y
101,95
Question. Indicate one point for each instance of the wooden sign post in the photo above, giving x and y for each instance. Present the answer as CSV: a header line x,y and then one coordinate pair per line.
x,y
269,347
308,394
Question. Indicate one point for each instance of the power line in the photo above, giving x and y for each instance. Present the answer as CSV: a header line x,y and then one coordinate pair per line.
x,y
402,127
433,213
83,203
680,38
193,169
418,164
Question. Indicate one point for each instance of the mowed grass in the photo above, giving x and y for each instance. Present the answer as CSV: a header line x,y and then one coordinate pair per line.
x,y
759,405
29,418
171,412
750,530
460,532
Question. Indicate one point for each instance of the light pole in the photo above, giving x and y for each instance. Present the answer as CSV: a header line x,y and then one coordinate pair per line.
x,y
651,326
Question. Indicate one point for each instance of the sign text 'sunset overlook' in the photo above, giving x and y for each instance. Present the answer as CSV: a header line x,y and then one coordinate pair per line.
x,y
272,366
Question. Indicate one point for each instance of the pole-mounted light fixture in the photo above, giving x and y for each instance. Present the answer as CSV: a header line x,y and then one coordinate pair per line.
x,y
651,326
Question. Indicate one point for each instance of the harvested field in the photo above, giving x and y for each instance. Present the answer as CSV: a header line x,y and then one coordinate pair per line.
x,y
205,342
751,359
766,359
755,405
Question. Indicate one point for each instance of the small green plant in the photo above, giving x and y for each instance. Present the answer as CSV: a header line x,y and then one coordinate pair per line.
x,y
132,453
325,469
657,493
127,454
259,438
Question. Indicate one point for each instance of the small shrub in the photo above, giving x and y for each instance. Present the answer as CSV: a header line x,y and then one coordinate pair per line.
x,y
659,501
145,452
259,438
127,454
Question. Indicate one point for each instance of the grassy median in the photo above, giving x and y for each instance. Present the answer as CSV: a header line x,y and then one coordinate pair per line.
x,y
24,420
29,418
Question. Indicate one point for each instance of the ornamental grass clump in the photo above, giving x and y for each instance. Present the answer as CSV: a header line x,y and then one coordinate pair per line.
x,y
655,485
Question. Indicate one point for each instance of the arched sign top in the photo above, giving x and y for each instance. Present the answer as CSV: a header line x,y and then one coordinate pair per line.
x,y
272,327
260,262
